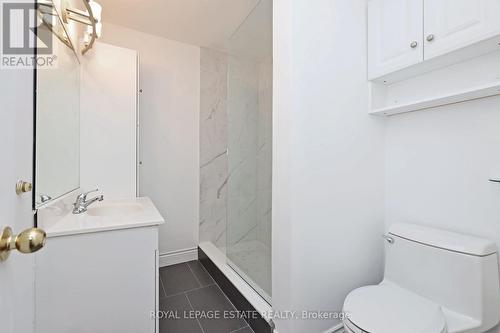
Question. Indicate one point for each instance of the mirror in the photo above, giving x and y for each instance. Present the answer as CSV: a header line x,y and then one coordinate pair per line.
x,y
57,165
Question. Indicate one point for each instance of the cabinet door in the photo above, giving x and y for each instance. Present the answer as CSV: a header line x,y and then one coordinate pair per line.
x,y
453,24
98,283
394,35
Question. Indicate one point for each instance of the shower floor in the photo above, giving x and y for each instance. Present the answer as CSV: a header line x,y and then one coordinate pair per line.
x,y
252,261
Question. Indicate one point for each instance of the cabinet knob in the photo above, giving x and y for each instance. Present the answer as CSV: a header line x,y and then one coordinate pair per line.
x,y
430,38
413,44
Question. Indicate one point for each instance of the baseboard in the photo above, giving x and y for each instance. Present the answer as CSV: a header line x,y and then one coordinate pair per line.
x,y
178,257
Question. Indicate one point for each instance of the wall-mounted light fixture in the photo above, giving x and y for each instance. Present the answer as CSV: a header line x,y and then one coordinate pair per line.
x,y
51,20
91,17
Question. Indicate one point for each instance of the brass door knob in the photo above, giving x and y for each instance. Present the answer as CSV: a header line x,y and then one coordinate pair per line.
x,y
23,187
28,241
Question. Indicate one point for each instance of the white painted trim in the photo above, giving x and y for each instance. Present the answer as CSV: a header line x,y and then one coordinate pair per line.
x,y
178,257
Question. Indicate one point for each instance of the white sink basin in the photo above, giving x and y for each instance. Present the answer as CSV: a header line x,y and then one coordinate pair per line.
x,y
115,210
101,216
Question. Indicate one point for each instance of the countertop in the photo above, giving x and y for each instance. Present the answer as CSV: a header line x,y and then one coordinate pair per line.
x,y
107,215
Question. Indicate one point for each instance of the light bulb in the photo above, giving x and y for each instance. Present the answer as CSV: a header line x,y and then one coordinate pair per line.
x,y
96,10
86,39
98,30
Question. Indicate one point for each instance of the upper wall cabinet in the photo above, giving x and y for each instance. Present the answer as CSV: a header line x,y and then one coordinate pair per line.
x,y
426,33
453,24
394,35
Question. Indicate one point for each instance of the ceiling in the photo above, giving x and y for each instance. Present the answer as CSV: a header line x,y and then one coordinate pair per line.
x,y
208,23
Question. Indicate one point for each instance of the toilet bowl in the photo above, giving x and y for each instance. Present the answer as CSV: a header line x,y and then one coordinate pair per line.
x,y
434,282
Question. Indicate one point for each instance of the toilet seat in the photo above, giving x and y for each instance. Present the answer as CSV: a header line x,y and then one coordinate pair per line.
x,y
387,308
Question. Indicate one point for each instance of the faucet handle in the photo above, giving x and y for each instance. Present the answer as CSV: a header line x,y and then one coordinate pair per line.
x,y
83,196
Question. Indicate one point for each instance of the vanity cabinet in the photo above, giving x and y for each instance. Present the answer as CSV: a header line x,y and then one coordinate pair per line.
x,y
404,33
98,282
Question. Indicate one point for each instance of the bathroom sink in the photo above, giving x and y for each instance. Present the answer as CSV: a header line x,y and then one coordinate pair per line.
x,y
101,216
115,209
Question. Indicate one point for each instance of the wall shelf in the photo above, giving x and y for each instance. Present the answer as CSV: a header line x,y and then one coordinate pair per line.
x,y
446,99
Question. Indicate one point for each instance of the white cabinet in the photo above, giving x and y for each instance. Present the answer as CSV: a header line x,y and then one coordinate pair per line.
x,y
394,35
453,24
405,33
98,282
108,121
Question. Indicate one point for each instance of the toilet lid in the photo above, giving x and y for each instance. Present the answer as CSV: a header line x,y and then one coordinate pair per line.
x,y
387,308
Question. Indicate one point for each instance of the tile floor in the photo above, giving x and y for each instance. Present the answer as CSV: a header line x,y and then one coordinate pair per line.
x,y
194,303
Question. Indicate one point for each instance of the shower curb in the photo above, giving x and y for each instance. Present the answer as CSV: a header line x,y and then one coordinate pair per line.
x,y
256,322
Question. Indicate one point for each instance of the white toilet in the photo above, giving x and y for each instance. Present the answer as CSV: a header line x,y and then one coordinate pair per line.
x,y
435,282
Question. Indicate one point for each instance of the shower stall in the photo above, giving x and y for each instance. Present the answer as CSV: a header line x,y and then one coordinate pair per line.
x,y
236,150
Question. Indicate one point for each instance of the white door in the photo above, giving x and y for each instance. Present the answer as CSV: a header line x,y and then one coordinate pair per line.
x,y
453,24
16,144
394,35
16,151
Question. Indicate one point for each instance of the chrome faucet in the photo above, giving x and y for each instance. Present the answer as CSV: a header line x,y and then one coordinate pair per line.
x,y
81,204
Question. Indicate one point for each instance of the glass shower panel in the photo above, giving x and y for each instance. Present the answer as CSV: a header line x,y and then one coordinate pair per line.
x,y
249,112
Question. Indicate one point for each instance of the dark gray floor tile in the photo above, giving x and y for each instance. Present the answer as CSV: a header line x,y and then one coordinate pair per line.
x,y
177,279
177,306
244,330
213,299
201,274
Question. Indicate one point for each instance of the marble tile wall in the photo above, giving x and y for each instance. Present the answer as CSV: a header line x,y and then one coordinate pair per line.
x,y
243,140
236,115
213,146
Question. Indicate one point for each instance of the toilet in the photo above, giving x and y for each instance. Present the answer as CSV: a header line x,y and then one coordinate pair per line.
x,y
435,281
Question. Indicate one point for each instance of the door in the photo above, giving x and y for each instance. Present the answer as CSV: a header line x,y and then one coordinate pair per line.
x,y
16,141
16,151
453,24
249,158
394,35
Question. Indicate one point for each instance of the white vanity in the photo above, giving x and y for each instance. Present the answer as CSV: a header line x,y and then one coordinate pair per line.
x,y
99,269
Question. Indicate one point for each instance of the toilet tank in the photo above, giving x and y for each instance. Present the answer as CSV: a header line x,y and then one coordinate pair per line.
x,y
459,272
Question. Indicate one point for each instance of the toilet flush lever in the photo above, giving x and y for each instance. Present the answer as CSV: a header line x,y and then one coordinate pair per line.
x,y
388,239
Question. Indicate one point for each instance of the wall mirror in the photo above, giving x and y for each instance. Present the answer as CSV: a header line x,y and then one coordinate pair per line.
x,y
57,163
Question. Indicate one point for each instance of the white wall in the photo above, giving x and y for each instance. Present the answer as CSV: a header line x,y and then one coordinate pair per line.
x,y
438,165
169,131
328,202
